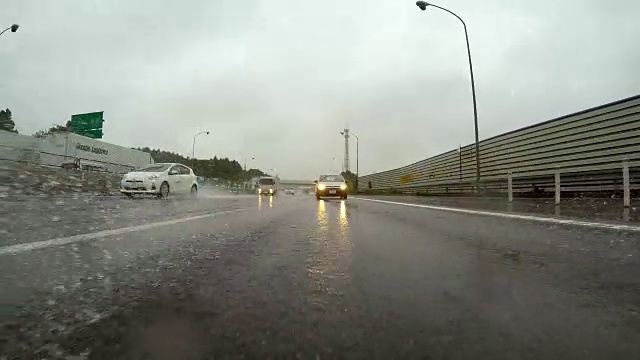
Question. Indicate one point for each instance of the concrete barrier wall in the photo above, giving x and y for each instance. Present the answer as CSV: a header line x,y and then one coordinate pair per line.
x,y
30,165
59,148
18,178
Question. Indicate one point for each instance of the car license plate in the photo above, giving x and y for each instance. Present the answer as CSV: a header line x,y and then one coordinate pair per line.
x,y
332,191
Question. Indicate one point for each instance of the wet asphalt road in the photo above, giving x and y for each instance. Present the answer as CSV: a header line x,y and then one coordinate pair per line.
x,y
230,277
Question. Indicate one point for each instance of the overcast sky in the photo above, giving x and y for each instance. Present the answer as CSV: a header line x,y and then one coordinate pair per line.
x,y
280,79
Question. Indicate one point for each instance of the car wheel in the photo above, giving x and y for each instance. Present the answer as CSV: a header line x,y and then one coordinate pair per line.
x,y
164,190
194,190
129,196
345,197
317,197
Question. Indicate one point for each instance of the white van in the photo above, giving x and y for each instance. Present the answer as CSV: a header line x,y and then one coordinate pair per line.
x,y
267,185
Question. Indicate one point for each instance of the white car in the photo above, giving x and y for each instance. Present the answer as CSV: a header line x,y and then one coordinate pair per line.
x,y
331,186
267,185
160,179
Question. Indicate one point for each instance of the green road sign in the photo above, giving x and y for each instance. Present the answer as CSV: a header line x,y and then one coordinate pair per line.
x,y
89,124
90,120
94,133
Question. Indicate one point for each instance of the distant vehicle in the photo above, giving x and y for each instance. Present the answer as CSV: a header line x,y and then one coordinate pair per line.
x,y
290,192
160,179
267,185
331,186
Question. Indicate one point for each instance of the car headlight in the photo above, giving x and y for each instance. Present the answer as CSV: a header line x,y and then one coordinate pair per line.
x,y
321,186
343,187
270,190
152,177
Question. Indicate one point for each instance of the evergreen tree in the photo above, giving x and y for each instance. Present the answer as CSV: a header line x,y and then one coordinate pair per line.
x,y
220,168
6,121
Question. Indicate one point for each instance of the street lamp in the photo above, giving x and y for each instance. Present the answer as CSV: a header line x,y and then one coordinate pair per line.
x,y
244,160
333,164
274,171
357,156
423,6
13,28
193,146
253,159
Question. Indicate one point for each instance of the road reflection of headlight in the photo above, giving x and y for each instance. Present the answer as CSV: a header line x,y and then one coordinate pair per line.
x,y
343,187
344,222
321,206
271,201
321,187
322,215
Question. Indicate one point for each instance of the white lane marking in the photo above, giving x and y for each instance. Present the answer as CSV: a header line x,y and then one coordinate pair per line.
x,y
513,216
20,248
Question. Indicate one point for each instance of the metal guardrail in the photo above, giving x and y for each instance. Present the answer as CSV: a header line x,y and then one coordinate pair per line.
x,y
588,148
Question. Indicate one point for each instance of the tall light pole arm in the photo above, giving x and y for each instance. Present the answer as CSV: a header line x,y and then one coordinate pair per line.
x,y
193,145
423,5
13,28
450,12
473,91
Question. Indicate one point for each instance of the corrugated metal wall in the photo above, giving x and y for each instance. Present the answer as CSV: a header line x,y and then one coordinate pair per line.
x,y
589,143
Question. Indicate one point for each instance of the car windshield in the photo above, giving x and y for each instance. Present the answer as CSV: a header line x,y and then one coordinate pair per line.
x,y
266,181
332,178
155,168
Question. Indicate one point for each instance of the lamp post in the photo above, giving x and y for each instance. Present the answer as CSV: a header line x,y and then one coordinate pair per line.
x,y
13,28
423,6
244,160
193,146
357,156
275,172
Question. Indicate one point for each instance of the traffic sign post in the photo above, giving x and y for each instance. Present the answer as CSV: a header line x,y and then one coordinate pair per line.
x,y
89,124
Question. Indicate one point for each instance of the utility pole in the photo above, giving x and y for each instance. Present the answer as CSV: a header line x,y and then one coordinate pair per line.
x,y
345,165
